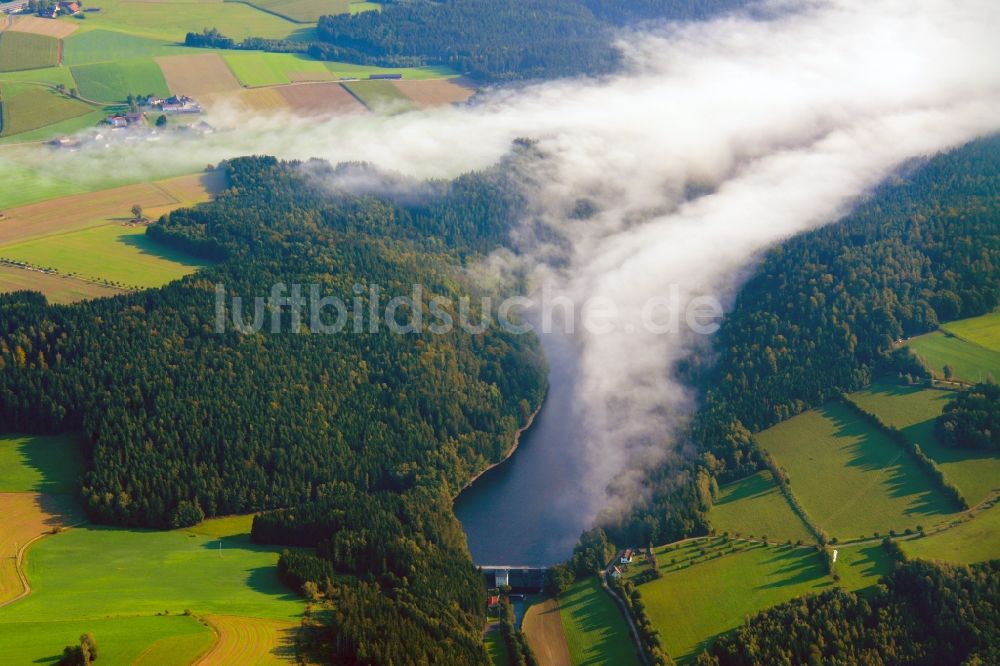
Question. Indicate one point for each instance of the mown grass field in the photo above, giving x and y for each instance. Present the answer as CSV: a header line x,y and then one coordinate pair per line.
x,y
57,288
28,107
121,255
976,540
173,19
147,572
596,632
114,82
303,11
98,45
25,50
244,640
756,506
914,410
692,605
36,463
969,361
852,479
163,640
983,331
380,96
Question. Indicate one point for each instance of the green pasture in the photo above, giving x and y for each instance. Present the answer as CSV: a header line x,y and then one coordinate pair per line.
x,y
969,361
361,7
149,639
496,648
115,81
596,631
84,48
983,331
24,50
171,20
115,253
693,604
97,572
29,107
344,70
861,567
976,540
303,11
35,463
756,506
914,410
850,477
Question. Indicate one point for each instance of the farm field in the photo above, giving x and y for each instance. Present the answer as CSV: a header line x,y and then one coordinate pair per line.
x,y
79,211
197,74
344,70
319,99
983,331
172,19
543,628
303,11
691,606
114,82
244,640
26,50
970,362
27,516
41,26
42,464
114,253
253,100
97,45
57,288
976,540
913,410
151,639
440,92
28,107
596,632
756,506
851,478
380,95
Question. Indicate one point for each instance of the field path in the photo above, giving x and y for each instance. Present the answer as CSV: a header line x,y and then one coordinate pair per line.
x,y
250,640
643,657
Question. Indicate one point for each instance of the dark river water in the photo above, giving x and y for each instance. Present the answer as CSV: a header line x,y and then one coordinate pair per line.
x,y
527,511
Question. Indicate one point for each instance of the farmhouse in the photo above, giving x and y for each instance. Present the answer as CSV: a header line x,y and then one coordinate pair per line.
x,y
118,121
70,8
616,573
626,557
180,104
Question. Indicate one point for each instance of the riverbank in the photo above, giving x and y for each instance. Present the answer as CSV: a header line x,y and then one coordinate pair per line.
x,y
517,442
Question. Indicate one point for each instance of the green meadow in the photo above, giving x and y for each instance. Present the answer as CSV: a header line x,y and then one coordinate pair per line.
x,y
596,632
97,45
969,361
115,81
497,649
850,477
25,184
983,331
913,410
303,11
756,506
976,540
860,567
150,639
693,604
35,463
171,20
114,253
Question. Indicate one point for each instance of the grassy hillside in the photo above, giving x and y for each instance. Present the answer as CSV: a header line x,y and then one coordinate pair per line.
x,y
756,506
694,603
913,410
596,631
983,331
852,479
28,107
969,362
977,540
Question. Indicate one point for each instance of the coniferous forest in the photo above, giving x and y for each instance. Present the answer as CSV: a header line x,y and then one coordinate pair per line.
x,y
353,444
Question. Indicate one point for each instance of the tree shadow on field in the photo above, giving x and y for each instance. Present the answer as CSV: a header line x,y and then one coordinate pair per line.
x,y
265,580
148,247
796,567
